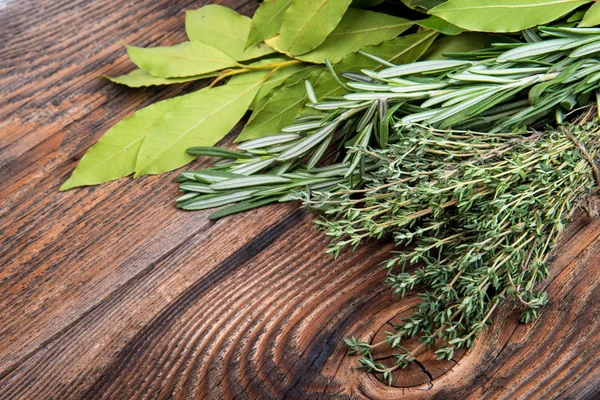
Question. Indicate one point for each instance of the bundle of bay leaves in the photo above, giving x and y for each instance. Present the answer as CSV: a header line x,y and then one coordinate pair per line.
x,y
262,64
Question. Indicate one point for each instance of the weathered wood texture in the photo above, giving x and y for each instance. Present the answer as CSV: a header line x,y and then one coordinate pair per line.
x,y
111,292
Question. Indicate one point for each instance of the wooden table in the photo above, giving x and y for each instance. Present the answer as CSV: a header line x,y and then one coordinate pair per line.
x,y
111,292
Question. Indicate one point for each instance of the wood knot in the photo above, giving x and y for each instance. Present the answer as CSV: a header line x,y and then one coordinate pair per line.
x,y
590,203
425,369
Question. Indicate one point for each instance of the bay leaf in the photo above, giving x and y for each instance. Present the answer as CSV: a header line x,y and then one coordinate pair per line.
x,y
306,23
182,60
140,78
281,108
577,16
365,3
503,15
267,21
327,86
401,50
439,25
224,29
276,80
114,155
466,41
591,17
357,29
202,119
275,43
422,5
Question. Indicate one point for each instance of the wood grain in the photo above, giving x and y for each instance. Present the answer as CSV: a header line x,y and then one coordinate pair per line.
x,y
111,292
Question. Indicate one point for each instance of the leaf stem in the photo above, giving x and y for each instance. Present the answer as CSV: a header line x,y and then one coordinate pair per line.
x,y
246,68
270,66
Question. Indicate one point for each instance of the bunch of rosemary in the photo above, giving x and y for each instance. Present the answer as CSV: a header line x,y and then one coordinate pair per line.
x,y
505,87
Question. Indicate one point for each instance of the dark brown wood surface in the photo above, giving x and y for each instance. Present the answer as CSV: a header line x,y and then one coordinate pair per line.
x,y
111,292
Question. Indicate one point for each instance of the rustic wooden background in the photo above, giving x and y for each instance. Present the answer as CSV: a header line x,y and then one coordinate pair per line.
x,y
112,292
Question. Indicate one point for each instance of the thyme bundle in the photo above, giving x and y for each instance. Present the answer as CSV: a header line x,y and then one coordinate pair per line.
x,y
476,213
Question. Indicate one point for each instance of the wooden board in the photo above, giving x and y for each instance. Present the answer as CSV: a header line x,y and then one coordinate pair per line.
x,y
111,292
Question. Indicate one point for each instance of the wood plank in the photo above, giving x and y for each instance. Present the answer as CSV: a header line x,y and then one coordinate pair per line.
x,y
111,292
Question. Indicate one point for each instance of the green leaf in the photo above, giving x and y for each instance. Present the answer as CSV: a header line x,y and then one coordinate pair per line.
x,y
466,41
275,81
306,23
577,16
357,29
212,201
248,181
402,50
211,176
591,17
184,59
209,151
202,119
281,108
503,15
440,25
275,43
224,29
140,78
308,142
327,86
422,5
115,154
365,3
267,20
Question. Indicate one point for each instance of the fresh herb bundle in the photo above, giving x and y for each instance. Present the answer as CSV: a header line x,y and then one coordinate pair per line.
x,y
344,119
477,214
